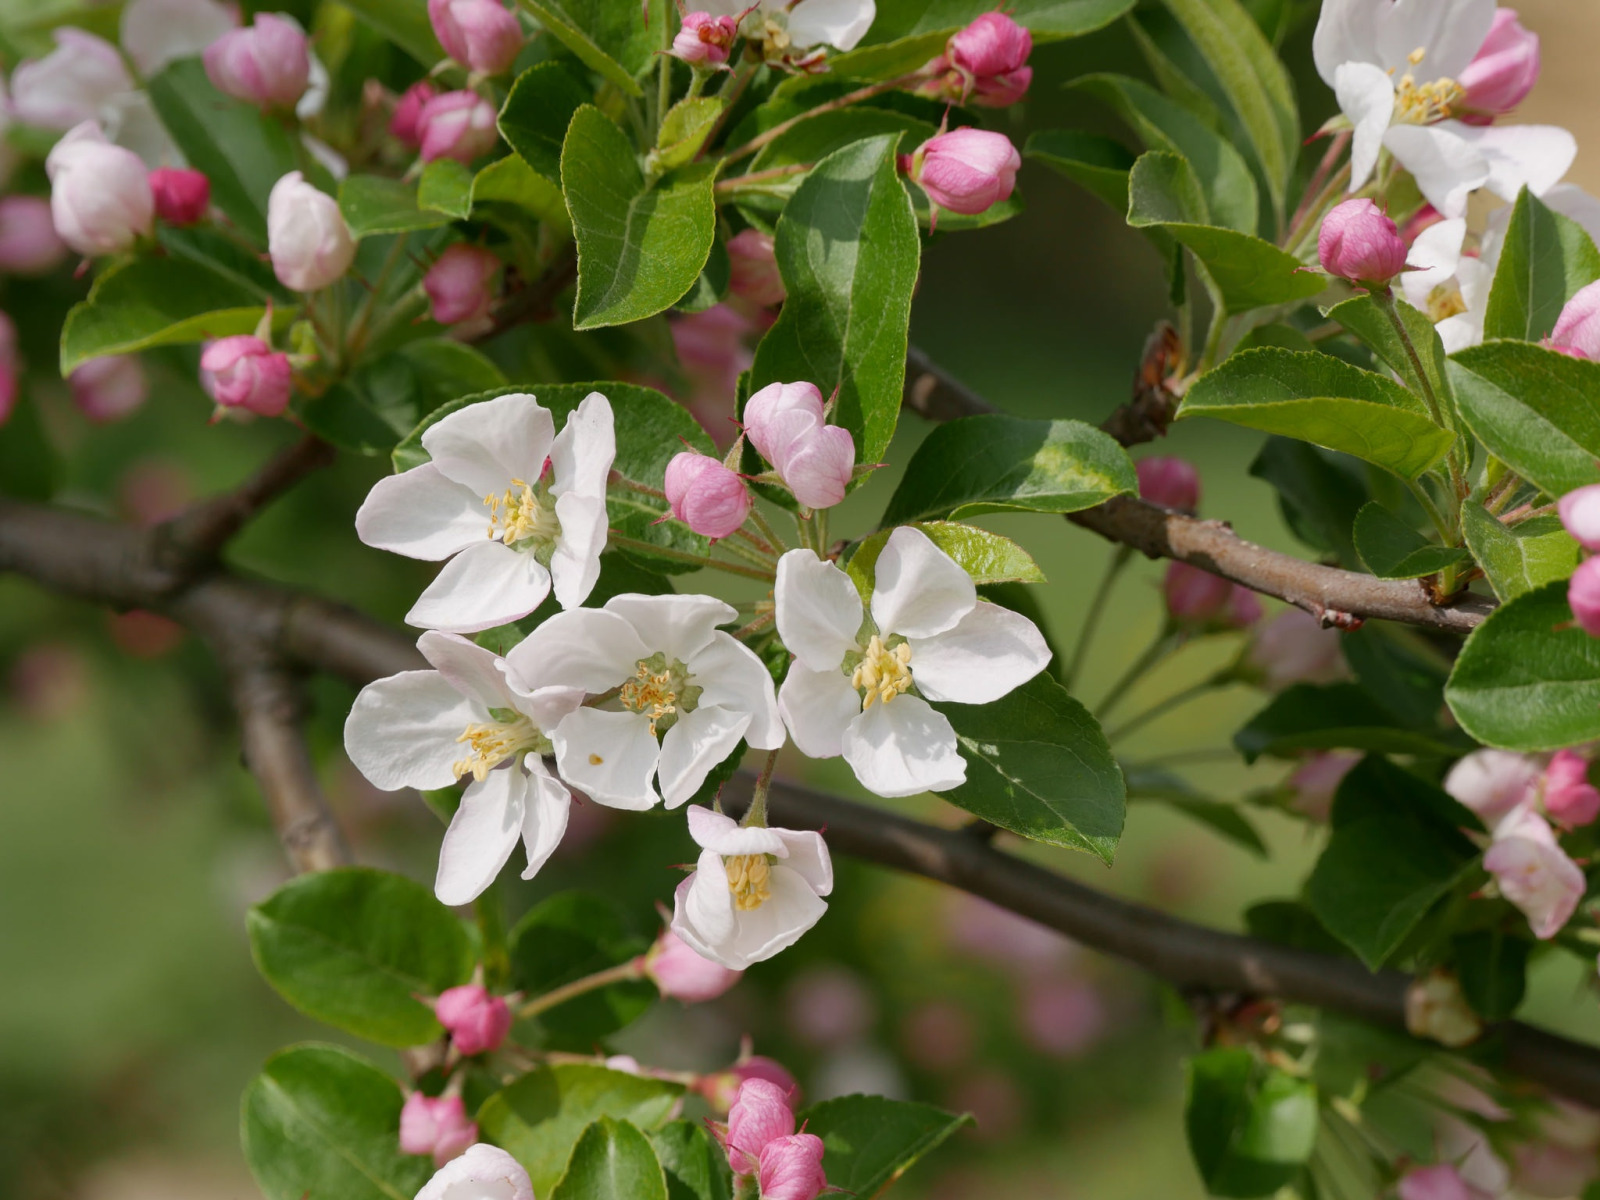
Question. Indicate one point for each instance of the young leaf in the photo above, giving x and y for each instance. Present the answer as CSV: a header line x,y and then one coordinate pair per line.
x,y
610,37
1049,20
1392,549
1546,259
1097,163
536,114
373,205
1251,1127
564,938
511,181
696,1167
871,1141
1363,317
684,130
848,250
446,187
1518,558
987,557
612,1161
1534,410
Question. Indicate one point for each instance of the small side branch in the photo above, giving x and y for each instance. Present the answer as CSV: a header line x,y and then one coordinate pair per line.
x,y
934,393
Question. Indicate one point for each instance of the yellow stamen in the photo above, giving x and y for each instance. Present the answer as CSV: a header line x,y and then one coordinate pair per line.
x,y
1445,301
493,743
749,879
1424,103
650,693
521,513
882,674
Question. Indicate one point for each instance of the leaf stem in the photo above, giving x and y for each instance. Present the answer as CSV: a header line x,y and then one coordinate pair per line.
x,y
1091,619
1385,301
845,101
726,187
1162,707
1166,642
623,542
625,972
755,626
767,531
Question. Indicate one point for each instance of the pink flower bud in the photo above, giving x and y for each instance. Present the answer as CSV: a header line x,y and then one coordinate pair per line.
x,y
1505,69
1195,597
778,414
993,53
182,196
1314,782
1534,873
1569,797
759,1114
29,244
100,194
108,389
720,1088
754,269
461,284
1583,594
680,972
1244,608
436,1125
406,113
1170,482
705,39
791,1168
967,170
458,125
1440,1182
267,64
1360,243
475,1020
479,34
1580,513
818,466
1493,782
1577,330
309,242
244,372
1294,648
10,367
705,495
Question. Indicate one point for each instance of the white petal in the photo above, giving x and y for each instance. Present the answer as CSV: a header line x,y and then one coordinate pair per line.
x,y
808,856
904,748
733,677
991,651
483,1171
468,667
678,626
586,648
485,585
840,23
582,453
817,707
1366,96
1570,200
402,730
919,589
575,564
544,818
702,906
791,908
546,706
481,835
1435,255
422,514
696,742
1447,168
1531,156
609,756
1449,32
156,32
720,833
818,610
1460,331
485,446
1347,31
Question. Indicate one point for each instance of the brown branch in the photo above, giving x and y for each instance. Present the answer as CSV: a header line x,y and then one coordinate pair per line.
x,y
935,394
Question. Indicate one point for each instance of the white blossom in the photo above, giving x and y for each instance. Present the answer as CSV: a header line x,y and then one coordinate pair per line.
x,y
837,23
1449,285
483,1172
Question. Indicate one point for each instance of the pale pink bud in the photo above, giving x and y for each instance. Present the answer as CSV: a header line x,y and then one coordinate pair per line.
x,y
458,125
1534,873
475,1020
406,113
680,972
1437,1009
780,413
713,351
1545,1169
1170,482
705,495
309,242
1580,513
482,1171
1505,69
1195,597
69,85
10,367
754,269
759,1114
461,284
1583,594
720,1088
1577,330
1493,782
967,170
100,194
993,52
479,34
244,372
1441,1182
29,244
1293,648
267,64
108,389
438,1126
1360,243
1002,91
818,466
182,196
703,38
1314,782
1569,797
791,1168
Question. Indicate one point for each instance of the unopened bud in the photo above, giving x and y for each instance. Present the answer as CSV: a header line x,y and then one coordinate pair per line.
x,y
244,372
479,34
100,194
182,196
1170,482
307,238
1583,594
1569,797
1293,648
436,1126
705,39
966,170
993,53
476,1021
1360,243
1441,1182
1314,782
483,1172
1577,330
1505,69
406,113
1580,514
760,1113
29,244
680,972
108,389
721,1088
791,1168
267,64
753,273
461,284
1437,1009
458,125
1195,597
10,368
705,495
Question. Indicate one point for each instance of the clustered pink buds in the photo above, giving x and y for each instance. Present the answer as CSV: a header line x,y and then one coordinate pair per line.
x,y
966,170
183,196
476,1021
1170,482
705,40
29,244
267,64
790,1168
787,424
1569,797
1577,331
461,284
244,372
1360,243
458,125
407,112
760,1113
705,495
681,973
309,243
436,1126
479,34
1583,594
100,194
721,1088
1197,598
1505,69
753,269
108,389
993,53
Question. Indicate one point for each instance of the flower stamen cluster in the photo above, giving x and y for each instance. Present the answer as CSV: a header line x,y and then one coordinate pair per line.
x,y
749,880
883,673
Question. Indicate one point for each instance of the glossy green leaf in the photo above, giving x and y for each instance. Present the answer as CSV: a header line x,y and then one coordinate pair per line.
x,y
404,22
1319,492
1047,19
684,131
373,205
511,181
1528,678
446,187
1545,260
1251,1127
1534,409
1518,558
871,1141
889,60
1399,672
695,1166
612,1161
564,938
1039,765
540,1117
1379,787
1392,549
536,114
610,37
1320,399
1363,317
848,249
1339,716
987,557
320,1121
640,247
1097,163
818,136
355,947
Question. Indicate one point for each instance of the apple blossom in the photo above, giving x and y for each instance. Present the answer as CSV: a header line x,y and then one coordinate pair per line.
x,y
244,372
786,424
515,507
1437,1009
267,64
801,24
100,194
1493,782
1169,481
436,1126
705,495
966,170
426,729
29,244
1583,596
406,113
481,35
1504,70
703,39
865,694
483,1172
754,890
753,269
1293,648
461,284
458,125
1569,798
682,694
992,54
1534,873
683,973
70,85
1314,782
1577,330
182,196
158,32
790,1168
476,1021
1360,243
760,1114
110,388
1450,284
310,245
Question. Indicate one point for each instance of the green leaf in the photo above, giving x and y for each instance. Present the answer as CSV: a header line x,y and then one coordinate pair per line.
x,y
1319,399
1251,1127
355,947
539,1118
612,1161
610,37
1363,317
994,463
1533,409
1038,765
1377,787
1049,20
373,205
987,557
536,114
640,247
684,130
695,1166
1493,969
848,249
1096,163
1339,716
1528,679
872,1141
1546,259
242,151
320,1121
819,135
1319,492
1249,272
513,182
404,22
564,938
29,465
446,187
889,60
1518,558
1392,549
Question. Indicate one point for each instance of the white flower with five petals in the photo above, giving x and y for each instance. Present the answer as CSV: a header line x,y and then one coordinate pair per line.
x,y
426,729
753,892
862,690
1449,284
679,694
513,505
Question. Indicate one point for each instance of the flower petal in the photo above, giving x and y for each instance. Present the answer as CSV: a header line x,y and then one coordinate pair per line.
x,y
575,563
818,609
609,756
990,651
817,707
485,446
586,648
1447,168
808,856
582,453
422,514
904,748
468,667
485,585
733,678
702,906
721,833
544,818
839,23
402,730
790,910
678,626
1347,31
481,835
1449,32
1434,258
1366,96
697,742
1531,156
920,591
